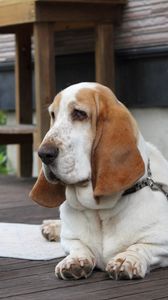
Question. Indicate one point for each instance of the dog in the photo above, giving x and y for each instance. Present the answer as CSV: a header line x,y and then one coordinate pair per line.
x,y
115,216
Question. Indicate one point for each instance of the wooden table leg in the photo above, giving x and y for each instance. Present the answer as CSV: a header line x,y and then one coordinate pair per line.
x,y
44,75
104,55
23,83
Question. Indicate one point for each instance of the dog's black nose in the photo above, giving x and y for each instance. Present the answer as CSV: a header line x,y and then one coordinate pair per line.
x,y
48,153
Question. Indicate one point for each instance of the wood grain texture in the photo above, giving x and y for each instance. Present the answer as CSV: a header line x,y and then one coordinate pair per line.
x,y
44,75
23,77
24,102
104,53
25,141
86,1
10,2
18,134
81,12
24,279
20,11
144,23
17,129
16,12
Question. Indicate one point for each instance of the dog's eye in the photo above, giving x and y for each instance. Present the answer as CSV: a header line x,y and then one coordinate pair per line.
x,y
79,115
52,115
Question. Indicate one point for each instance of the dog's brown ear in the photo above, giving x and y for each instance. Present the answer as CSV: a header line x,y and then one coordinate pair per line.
x,y
116,160
47,194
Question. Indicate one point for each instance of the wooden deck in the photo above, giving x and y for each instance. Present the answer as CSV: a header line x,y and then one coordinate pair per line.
x,y
35,280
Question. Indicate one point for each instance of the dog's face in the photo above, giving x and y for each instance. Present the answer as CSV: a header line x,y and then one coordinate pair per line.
x,y
93,138
66,148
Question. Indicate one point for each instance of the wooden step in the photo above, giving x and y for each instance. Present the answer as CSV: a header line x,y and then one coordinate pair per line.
x,y
17,129
16,134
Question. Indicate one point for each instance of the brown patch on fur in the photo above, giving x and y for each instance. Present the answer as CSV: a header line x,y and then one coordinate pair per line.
x,y
86,99
120,260
55,106
50,142
47,194
117,163
116,160
56,102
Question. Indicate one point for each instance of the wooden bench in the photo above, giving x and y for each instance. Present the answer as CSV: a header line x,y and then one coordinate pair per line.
x,y
22,135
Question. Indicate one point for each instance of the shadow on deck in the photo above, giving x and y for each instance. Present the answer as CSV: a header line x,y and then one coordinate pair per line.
x,y
35,280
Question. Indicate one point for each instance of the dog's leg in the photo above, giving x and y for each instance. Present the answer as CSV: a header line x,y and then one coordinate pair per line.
x,y
78,264
51,230
136,261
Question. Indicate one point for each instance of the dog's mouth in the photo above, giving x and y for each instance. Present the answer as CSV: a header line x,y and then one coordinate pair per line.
x,y
83,183
52,178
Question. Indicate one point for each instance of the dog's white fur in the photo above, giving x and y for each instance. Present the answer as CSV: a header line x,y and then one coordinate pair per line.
x,y
124,235
74,140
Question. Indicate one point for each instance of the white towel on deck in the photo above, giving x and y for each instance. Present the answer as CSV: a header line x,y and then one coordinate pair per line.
x,y
26,242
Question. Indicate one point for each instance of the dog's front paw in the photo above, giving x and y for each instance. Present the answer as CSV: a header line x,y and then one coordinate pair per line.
x,y
74,268
51,230
125,266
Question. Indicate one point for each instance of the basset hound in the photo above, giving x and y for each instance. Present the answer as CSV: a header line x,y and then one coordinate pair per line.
x,y
98,168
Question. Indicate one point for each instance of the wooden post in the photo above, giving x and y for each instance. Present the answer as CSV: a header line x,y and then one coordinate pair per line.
x,y
44,75
23,86
104,55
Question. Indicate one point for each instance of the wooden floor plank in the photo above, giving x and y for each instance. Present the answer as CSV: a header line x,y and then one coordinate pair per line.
x,y
35,280
87,291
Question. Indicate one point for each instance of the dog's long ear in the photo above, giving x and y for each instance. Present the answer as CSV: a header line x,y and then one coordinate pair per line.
x,y
116,160
47,194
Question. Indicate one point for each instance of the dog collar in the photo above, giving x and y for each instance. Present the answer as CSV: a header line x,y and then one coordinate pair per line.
x,y
148,181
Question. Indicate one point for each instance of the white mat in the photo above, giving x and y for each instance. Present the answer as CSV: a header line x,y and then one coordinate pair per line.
x,y
26,242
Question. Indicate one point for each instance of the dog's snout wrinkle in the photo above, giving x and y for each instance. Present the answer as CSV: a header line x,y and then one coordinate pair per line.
x,y
48,153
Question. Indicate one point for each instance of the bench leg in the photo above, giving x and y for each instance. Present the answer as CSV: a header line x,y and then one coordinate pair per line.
x,y
104,55
44,75
23,84
25,151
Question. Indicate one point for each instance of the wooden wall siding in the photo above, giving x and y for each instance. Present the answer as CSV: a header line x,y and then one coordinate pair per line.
x,y
144,23
7,44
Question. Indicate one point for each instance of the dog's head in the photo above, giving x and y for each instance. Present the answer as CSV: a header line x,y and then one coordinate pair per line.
x,y
92,137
